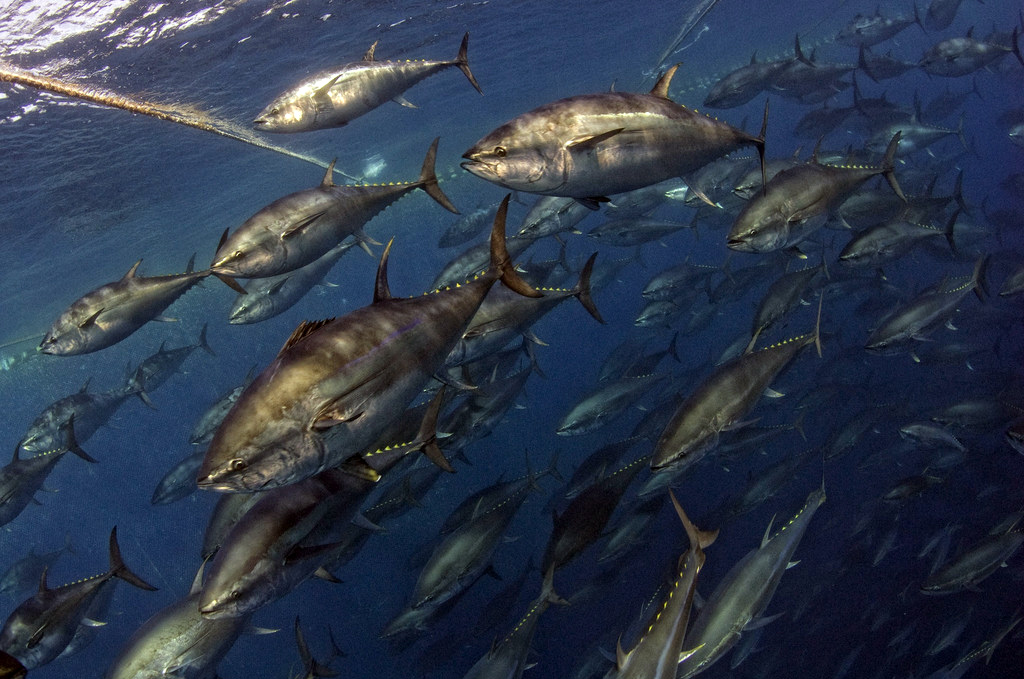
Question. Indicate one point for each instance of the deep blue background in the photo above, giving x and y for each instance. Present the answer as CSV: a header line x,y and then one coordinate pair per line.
x,y
85,191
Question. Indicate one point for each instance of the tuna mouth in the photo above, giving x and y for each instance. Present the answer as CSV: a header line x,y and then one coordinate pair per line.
x,y
260,122
212,611
739,244
474,166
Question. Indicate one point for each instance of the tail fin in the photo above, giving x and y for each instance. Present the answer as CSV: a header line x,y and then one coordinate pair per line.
x,y
759,143
889,164
862,63
203,344
960,132
949,232
428,179
698,538
978,278
501,263
817,324
119,569
309,663
428,433
552,469
1014,46
582,289
462,61
547,590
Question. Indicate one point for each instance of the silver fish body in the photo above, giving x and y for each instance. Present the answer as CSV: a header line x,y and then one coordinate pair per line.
x,y
745,592
595,145
111,312
336,97
299,228
796,202
269,297
353,375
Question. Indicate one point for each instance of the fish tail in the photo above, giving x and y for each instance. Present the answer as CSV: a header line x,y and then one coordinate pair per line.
x,y
960,132
547,590
203,344
428,433
979,278
428,179
862,63
501,263
119,569
759,143
582,290
817,325
889,164
552,469
1015,44
462,61
949,231
698,538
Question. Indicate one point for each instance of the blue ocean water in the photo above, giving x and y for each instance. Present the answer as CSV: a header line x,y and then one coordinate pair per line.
x,y
87,190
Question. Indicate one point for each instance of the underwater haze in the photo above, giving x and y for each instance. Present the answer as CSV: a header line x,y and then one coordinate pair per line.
x,y
917,441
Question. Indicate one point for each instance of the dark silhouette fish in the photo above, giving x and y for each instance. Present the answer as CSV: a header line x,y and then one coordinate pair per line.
x,y
41,627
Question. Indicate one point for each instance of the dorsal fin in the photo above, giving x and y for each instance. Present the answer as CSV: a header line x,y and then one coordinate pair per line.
x,y
660,88
131,271
42,580
329,175
381,291
369,53
191,264
305,329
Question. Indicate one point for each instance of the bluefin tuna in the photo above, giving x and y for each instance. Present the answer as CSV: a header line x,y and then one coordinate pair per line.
x,y
349,377
114,311
590,146
744,593
335,98
301,227
41,627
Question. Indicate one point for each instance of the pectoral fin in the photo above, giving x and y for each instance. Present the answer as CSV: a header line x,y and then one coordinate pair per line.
x,y
91,320
322,97
588,142
301,224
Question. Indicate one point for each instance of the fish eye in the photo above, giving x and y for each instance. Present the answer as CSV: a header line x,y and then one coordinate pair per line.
x,y
274,111
500,151
237,464
238,254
